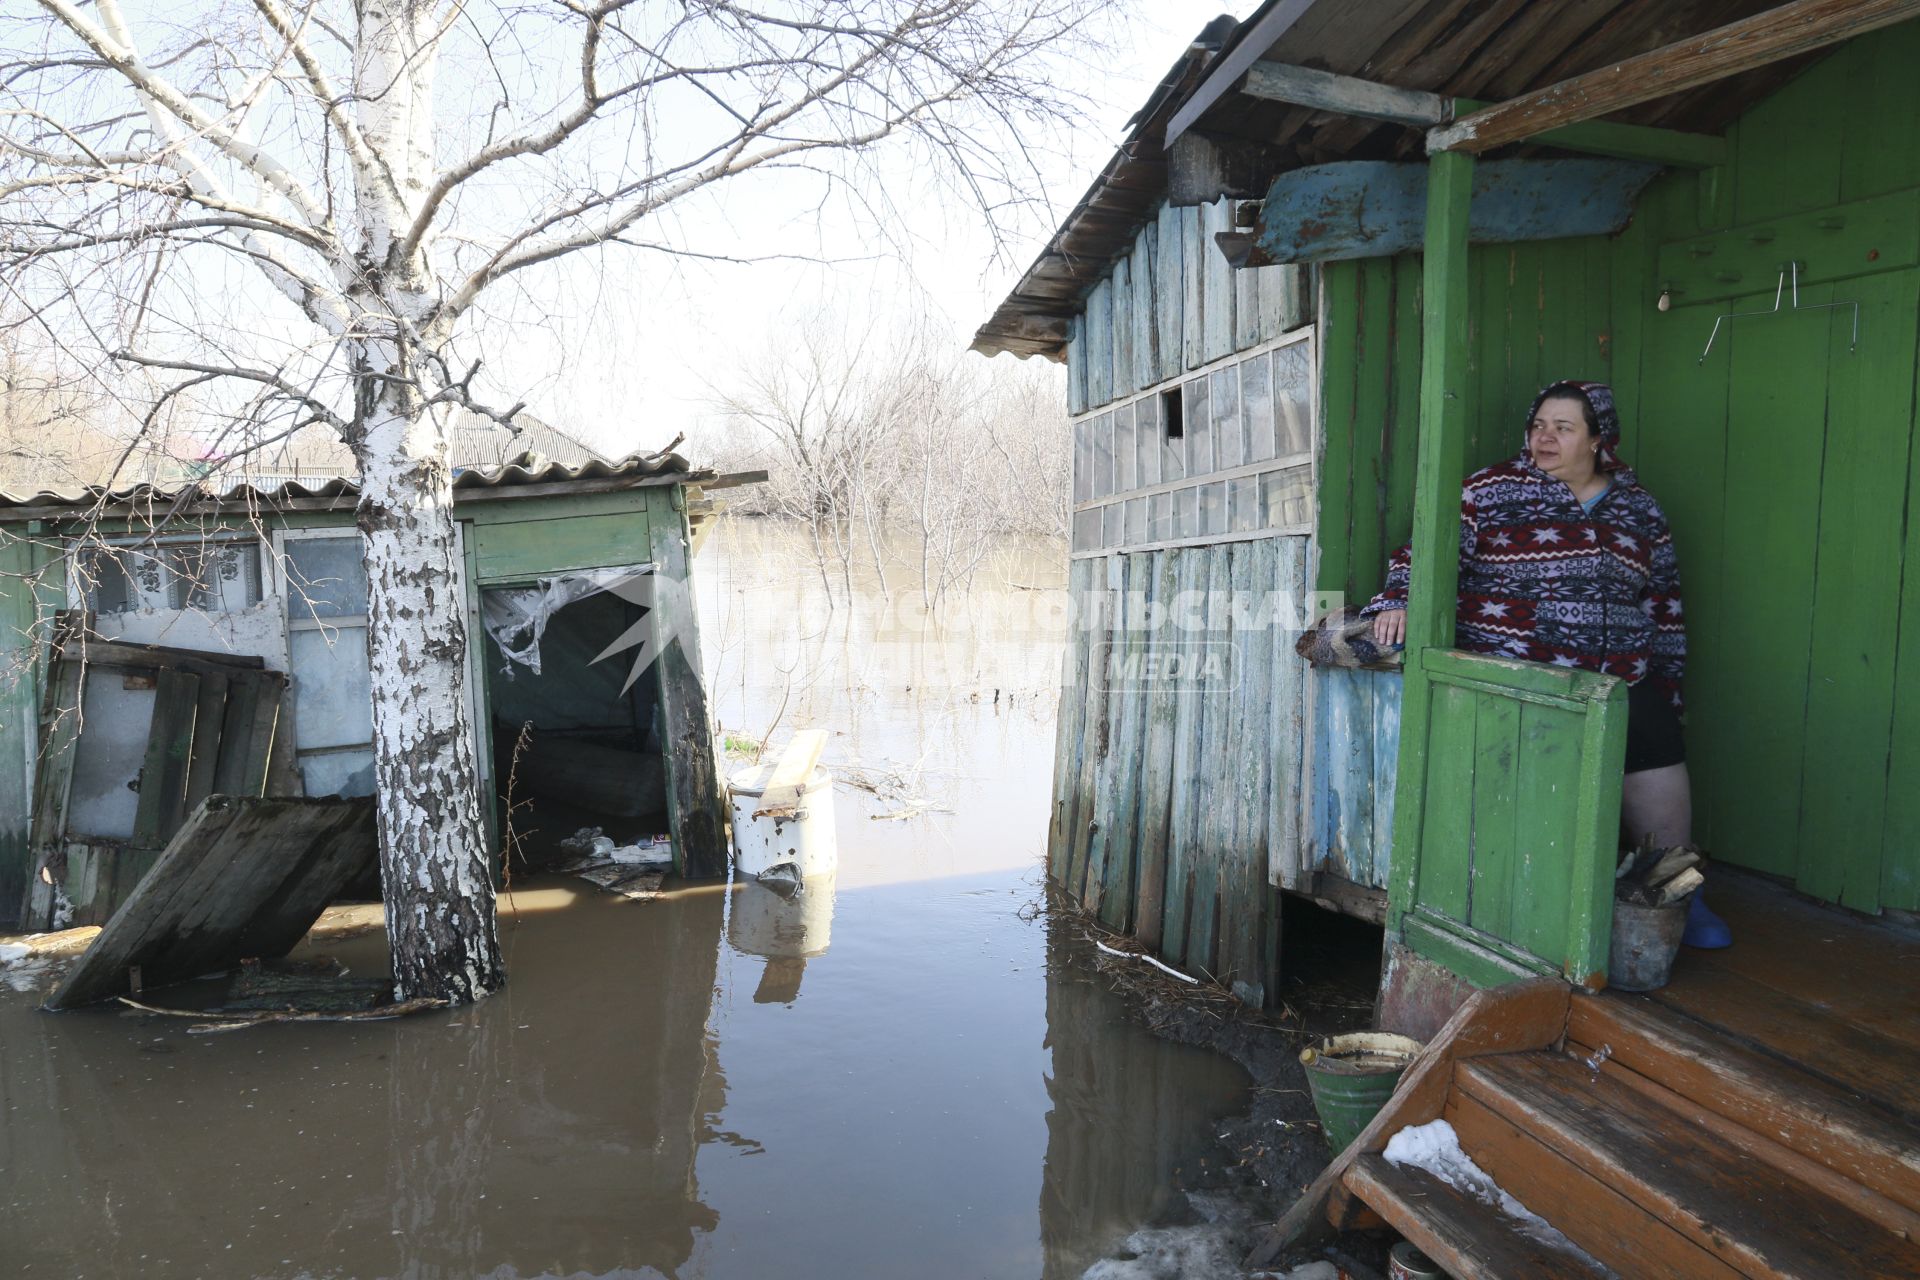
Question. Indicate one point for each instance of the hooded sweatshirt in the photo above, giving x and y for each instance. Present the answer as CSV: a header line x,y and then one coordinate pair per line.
x,y
1545,579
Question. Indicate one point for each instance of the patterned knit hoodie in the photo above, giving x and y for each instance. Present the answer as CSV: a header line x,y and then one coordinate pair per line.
x,y
1543,579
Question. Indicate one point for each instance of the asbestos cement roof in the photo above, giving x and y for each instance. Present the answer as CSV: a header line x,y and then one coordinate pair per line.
x,y
529,472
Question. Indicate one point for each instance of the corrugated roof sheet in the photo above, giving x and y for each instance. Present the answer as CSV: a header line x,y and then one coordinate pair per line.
x,y
527,469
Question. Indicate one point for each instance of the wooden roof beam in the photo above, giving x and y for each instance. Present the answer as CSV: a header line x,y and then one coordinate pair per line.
x,y
1349,95
1784,32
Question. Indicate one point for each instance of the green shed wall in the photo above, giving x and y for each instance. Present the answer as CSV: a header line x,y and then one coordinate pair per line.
x,y
1786,464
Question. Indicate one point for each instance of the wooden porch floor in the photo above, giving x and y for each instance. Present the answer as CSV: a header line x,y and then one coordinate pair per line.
x,y
1832,993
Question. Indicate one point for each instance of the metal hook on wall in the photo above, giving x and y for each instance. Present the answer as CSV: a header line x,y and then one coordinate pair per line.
x,y
1789,273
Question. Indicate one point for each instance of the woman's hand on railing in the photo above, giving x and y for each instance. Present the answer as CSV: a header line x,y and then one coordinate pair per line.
x,y
1390,627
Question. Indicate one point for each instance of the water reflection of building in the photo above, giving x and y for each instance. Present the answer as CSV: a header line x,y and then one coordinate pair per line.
x,y
1127,1110
552,1129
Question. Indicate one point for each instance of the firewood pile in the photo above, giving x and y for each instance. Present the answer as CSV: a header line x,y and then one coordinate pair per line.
x,y
1658,877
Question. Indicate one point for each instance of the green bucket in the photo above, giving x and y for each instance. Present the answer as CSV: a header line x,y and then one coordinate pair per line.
x,y
1352,1077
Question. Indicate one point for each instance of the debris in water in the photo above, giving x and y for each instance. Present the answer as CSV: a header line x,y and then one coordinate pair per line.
x,y
240,1021
1435,1147
593,845
1139,955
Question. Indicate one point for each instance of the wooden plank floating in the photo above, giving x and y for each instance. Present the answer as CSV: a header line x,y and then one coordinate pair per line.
x,y
1375,209
252,871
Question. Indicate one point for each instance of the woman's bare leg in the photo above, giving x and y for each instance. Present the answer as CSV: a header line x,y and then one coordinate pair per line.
x,y
1657,805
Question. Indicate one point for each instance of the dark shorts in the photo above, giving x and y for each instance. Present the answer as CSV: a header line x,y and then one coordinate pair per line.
x,y
1654,738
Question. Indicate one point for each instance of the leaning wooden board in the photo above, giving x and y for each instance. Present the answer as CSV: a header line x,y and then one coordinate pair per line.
x,y
244,876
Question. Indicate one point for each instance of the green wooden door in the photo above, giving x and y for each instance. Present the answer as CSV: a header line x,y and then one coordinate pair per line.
x,y
1785,463
1503,867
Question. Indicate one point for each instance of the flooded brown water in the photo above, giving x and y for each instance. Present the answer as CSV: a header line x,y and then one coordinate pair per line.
x,y
673,1087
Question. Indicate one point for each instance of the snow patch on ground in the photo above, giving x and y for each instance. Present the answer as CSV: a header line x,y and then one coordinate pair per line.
x,y
21,969
1435,1147
1207,1250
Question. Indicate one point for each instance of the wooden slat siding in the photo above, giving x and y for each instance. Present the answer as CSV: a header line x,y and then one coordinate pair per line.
x,y
1218,753
1194,248
1850,703
1346,729
693,780
1076,365
1386,750
1067,729
1099,339
1900,842
1287,829
1593,1215
1099,610
1170,294
1182,818
209,717
1490,877
1128,698
1108,703
163,776
1341,346
1217,282
1248,289
1259,740
1156,774
1146,296
1121,318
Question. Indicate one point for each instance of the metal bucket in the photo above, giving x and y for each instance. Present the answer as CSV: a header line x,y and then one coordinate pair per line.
x,y
1645,940
1352,1077
1404,1262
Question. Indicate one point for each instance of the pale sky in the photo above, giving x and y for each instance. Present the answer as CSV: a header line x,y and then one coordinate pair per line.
x,y
635,340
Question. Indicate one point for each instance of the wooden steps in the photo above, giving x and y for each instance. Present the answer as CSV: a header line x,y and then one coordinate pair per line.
x,y
1456,1230
1683,1151
1672,1177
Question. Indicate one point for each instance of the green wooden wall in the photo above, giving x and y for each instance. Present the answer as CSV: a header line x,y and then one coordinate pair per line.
x,y
1786,463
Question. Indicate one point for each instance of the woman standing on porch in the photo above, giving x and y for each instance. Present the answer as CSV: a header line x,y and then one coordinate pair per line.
x,y
1565,559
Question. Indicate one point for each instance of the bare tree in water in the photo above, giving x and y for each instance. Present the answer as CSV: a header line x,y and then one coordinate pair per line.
x,y
309,200
891,436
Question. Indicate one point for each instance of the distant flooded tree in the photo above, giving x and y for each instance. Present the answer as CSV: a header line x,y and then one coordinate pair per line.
x,y
299,208
898,431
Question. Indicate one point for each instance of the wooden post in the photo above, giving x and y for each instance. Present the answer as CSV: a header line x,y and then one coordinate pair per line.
x,y
1436,505
693,780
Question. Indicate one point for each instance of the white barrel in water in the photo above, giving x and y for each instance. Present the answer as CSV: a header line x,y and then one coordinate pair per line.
x,y
798,833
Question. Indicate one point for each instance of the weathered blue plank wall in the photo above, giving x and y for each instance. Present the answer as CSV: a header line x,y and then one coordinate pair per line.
x,y
1173,304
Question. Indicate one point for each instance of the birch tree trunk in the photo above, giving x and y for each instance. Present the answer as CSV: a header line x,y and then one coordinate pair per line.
x,y
435,873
